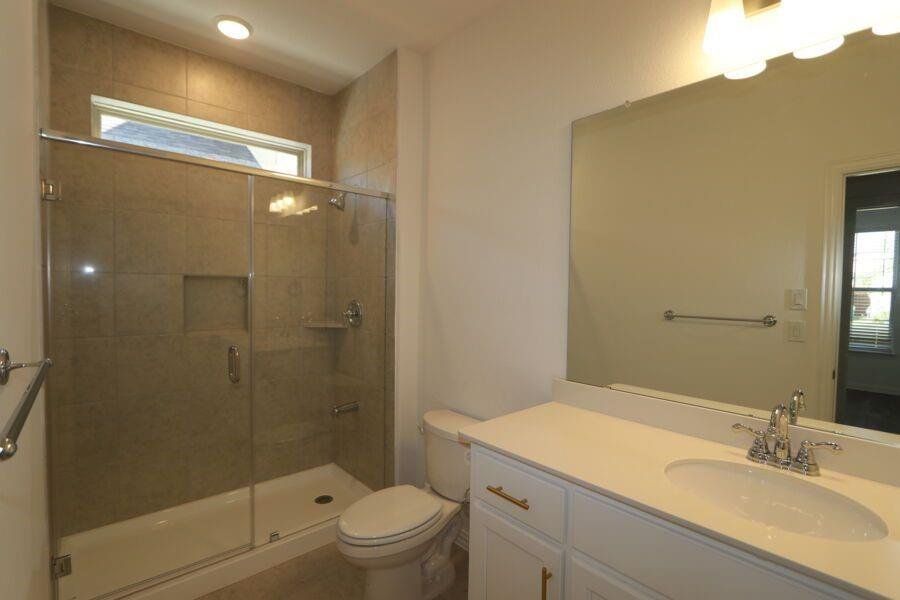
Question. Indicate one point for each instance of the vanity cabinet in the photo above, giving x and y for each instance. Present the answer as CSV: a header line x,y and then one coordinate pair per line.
x,y
517,563
527,524
590,580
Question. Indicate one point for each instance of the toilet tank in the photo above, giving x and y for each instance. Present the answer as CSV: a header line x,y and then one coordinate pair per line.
x,y
446,458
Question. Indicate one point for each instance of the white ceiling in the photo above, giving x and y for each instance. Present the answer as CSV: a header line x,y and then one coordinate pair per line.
x,y
321,44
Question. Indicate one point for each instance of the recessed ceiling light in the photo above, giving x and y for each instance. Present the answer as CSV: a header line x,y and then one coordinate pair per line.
x,y
233,27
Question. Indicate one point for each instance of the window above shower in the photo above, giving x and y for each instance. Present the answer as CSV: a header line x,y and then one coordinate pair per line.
x,y
138,125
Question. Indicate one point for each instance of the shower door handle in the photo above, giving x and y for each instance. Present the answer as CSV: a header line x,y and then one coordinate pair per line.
x,y
234,364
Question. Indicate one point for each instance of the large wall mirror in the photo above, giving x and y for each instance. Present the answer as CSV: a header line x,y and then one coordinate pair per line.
x,y
774,199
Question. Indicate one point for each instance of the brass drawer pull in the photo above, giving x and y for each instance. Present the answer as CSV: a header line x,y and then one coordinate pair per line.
x,y
523,503
545,577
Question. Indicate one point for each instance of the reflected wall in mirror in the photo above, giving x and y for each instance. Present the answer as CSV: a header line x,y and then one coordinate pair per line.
x,y
777,196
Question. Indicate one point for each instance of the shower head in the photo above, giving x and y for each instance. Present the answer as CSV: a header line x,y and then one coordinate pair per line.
x,y
338,201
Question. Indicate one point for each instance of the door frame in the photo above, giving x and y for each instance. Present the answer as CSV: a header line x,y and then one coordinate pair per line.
x,y
828,355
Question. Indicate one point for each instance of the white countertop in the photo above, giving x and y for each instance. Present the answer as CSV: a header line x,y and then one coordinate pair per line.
x,y
626,461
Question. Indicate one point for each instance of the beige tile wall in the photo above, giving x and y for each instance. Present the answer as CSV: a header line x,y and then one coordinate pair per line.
x,y
88,56
360,265
169,245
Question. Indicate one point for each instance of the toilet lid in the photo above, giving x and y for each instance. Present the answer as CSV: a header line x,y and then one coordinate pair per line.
x,y
389,515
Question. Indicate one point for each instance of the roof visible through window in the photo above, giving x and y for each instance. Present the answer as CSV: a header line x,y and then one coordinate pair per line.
x,y
171,132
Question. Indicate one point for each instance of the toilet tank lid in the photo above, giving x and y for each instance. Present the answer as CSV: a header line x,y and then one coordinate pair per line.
x,y
446,423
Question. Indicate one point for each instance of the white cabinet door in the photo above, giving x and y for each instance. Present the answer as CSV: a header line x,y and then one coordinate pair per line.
x,y
507,561
590,580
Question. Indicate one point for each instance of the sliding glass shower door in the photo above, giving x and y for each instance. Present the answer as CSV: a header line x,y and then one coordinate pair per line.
x,y
149,401
221,344
318,379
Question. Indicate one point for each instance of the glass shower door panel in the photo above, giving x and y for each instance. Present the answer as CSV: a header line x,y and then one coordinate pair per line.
x,y
312,257
147,271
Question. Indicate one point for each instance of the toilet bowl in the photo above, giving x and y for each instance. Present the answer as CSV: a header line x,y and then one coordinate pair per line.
x,y
402,536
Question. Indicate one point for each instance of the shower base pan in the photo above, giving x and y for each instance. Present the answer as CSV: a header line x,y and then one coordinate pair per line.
x,y
195,548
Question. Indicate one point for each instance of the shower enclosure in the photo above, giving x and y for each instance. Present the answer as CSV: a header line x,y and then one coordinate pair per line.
x,y
219,336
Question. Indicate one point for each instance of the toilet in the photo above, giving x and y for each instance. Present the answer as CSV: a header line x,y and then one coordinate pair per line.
x,y
402,536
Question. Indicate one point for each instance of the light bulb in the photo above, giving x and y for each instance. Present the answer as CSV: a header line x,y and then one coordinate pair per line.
x,y
820,49
886,15
889,27
746,72
233,27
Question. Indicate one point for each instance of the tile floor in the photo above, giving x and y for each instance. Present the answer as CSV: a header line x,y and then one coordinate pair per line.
x,y
321,575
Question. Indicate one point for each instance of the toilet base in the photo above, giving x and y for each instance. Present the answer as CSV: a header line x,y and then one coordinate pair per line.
x,y
421,572
438,572
410,581
398,583
440,581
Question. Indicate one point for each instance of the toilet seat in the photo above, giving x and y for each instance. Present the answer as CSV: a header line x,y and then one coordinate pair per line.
x,y
388,516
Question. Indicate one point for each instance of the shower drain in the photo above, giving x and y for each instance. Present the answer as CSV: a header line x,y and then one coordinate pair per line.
x,y
324,499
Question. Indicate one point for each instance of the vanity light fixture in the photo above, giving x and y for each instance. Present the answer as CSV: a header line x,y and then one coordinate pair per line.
x,y
887,26
887,17
741,35
233,27
751,70
820,49
813,28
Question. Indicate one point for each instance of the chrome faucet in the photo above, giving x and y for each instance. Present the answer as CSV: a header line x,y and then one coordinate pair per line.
x,y
779,431
797,404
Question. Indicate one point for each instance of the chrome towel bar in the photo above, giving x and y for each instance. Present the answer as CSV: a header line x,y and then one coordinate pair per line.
x,y
768,320
9,436
7,366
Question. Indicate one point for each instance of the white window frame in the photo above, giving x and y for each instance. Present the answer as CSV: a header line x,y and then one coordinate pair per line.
x,y
893,290
178,122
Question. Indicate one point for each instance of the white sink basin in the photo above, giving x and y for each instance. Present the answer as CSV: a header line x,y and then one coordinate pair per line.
x,y
777,500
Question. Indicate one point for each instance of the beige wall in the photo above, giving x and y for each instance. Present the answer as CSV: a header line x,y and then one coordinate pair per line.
x,y
361,266
23,501
712,200
409,450
93,57
502,94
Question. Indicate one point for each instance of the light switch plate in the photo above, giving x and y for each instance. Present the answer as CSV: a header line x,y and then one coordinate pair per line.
x,y
796,331
797,299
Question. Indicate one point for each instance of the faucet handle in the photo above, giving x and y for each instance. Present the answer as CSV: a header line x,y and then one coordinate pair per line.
x,y
805,462
748,429
759,451
830,445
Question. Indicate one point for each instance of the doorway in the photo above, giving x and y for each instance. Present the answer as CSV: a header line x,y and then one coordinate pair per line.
x,y
868,376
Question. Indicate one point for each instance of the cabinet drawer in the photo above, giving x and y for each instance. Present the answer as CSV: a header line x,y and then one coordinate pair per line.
x,y
523,495
674,561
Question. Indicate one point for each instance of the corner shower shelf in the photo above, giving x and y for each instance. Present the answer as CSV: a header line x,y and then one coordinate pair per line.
x,y
311,324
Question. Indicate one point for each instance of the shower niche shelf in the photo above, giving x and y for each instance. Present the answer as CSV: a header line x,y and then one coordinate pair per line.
x,y
214,303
